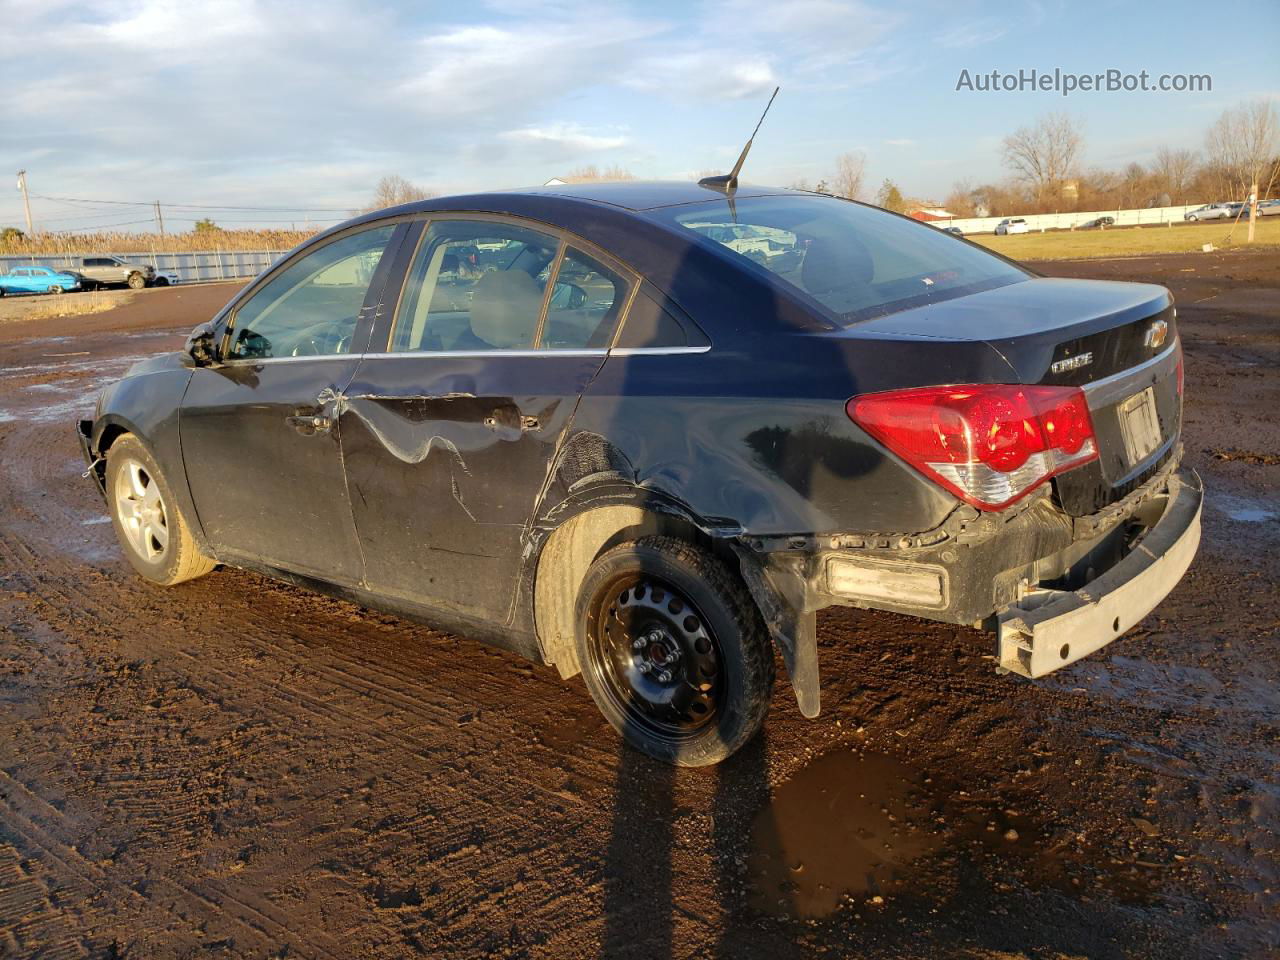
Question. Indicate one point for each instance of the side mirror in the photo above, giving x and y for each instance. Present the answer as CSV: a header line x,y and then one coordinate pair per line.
x,y
568,296
198,350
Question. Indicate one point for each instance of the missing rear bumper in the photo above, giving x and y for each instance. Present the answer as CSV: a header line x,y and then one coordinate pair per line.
x,y
1049,629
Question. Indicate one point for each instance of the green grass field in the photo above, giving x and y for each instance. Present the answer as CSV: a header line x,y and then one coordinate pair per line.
x,y
1130,241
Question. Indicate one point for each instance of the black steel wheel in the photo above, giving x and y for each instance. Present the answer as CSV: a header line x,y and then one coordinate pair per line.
x,y
673,650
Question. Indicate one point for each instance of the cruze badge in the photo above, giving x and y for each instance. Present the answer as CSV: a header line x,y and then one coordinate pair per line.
x,y
1072,363
1157,334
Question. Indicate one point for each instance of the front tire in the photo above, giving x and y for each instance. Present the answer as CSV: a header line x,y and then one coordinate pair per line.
x,y
673,651
155,536
136,281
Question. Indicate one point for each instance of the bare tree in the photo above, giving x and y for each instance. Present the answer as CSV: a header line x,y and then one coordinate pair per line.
x,y
591,174
1242,142
800,184
847,181
393,190
1174,169
960,201
1045,155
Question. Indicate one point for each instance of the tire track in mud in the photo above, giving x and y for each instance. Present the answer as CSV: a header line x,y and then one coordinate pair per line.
x,y
124,610
239,765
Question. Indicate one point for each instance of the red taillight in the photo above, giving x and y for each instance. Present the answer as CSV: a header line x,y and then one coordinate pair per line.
x,y
989,444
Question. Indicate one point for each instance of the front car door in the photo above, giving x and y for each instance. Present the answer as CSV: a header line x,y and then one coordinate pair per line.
x,y
448,430
259,428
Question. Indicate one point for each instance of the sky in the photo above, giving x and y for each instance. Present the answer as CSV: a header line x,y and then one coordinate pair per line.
x,y
295,109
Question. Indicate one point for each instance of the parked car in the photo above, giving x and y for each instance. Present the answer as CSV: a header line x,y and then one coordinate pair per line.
x,y
632,451
954,231
1268,208
1212,211
112,271
1014,225
166,278
1098,222
37,279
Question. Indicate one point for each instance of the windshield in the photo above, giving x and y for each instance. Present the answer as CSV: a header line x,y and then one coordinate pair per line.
x,y
856,261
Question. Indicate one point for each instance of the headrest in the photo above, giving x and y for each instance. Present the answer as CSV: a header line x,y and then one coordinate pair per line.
x,y
832,263
504,308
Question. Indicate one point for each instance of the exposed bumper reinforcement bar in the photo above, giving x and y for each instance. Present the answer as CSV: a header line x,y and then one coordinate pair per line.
x,y
1052,628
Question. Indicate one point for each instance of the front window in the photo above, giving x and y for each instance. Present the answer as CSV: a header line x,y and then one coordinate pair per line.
x,y
855,261
312,306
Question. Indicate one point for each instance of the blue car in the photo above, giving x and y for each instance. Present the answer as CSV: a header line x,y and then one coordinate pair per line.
x,y
37,280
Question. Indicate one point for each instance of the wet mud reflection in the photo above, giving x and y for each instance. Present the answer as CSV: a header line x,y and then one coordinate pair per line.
x,y
866,827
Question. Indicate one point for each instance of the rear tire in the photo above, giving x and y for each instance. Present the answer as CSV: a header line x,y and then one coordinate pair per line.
x,y
673,651
156,538
55,289
136,281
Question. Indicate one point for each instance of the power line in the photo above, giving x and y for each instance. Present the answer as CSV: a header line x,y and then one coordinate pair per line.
x,y
191,206
104,226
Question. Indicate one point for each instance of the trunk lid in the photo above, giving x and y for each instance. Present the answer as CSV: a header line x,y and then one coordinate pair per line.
x,y
1117,341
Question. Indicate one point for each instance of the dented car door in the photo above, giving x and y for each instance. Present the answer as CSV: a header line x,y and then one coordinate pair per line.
x,y
448,434
259,427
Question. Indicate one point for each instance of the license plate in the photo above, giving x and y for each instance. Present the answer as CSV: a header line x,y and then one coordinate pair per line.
x,y
1139,426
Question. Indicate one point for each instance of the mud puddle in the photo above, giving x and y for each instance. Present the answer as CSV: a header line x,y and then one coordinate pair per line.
x,y
1246,509
867,828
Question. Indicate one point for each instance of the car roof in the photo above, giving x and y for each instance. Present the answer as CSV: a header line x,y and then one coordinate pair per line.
x,y
640,194
701,276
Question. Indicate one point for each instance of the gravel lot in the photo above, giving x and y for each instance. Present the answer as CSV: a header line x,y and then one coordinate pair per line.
x,y
238,768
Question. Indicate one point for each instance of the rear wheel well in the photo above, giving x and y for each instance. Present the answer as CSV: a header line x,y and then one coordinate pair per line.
x,y
569,553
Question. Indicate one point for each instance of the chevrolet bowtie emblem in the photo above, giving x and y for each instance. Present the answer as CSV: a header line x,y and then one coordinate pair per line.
x,y
1157,334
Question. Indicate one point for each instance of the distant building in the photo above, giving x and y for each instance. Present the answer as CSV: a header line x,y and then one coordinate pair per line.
x,y
556,182
928,212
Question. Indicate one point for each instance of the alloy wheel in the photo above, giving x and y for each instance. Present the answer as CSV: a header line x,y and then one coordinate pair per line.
x,y
141,511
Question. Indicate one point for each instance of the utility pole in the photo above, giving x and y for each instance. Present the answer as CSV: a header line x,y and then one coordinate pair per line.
x,y
26,201
159,218
1253,209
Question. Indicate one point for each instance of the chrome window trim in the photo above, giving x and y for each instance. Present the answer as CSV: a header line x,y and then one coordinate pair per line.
x,y
529,352
471,354
256,361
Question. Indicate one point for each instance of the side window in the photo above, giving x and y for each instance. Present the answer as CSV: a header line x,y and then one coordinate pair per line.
x,y
474,285
311,307
584,305
653,323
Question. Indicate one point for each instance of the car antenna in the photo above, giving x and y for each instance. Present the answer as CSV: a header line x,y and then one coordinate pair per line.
x,y
726,182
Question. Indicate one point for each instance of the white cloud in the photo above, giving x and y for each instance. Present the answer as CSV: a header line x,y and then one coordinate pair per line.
x,y
283,101
567,136
972,34
901,142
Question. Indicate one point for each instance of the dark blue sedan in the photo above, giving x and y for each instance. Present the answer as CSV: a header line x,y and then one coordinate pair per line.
x,y
645,431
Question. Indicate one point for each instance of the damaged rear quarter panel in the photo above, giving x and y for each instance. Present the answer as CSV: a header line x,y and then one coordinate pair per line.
x,y
753,437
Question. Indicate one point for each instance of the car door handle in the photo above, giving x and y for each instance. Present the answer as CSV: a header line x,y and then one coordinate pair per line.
x,y
494,422
310,423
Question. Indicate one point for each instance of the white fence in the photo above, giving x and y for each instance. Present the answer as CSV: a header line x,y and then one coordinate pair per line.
x,y
189,266
1154,216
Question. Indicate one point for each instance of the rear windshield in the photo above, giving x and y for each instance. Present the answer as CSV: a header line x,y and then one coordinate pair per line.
x,y
857,262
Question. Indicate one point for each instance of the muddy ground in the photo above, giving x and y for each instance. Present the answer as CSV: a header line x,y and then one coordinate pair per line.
x,y
239,768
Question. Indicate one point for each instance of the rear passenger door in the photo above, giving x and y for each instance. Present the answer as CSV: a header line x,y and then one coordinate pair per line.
x,y
449,430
